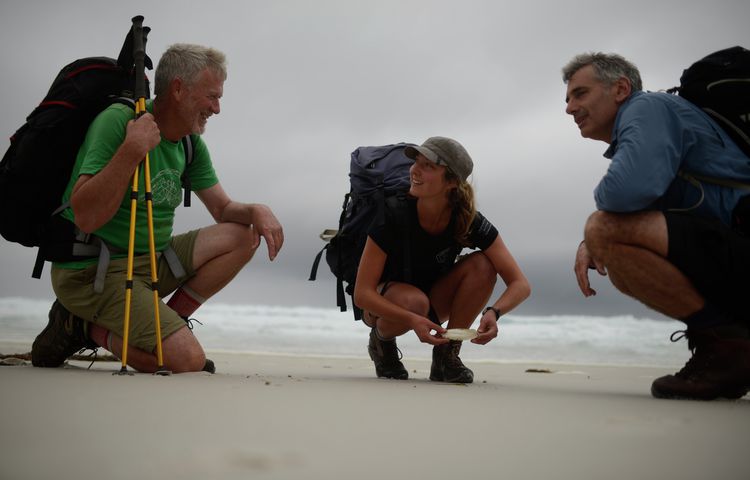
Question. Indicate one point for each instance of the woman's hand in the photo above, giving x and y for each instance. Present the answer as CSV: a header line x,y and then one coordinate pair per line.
x,y
422,327
487,329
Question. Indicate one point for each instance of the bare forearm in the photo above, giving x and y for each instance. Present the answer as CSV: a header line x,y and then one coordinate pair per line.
x,y
95,199
516,292
236,212
369,299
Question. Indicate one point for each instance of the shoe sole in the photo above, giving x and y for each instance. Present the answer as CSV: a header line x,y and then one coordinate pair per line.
x,y
729,394
435,378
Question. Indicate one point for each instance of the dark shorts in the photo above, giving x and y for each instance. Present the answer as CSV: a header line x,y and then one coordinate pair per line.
x,y
715,258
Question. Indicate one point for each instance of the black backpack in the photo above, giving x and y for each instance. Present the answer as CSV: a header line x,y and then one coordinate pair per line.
x,y
720,85
379,180
37,166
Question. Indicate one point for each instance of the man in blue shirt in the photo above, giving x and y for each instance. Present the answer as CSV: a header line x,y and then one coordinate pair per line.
x,y
662,236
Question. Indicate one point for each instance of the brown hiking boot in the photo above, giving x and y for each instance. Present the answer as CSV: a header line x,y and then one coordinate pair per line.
x,y
387,358
718,368
447,366
63,336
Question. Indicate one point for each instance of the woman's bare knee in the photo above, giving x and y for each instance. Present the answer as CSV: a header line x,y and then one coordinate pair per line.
x,y
481,271
410,298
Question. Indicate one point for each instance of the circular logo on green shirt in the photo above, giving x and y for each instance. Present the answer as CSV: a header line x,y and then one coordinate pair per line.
x,y
166,188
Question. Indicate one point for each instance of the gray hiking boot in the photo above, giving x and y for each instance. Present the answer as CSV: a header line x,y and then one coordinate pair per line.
x,y
718,368
63,336
387,358
447,366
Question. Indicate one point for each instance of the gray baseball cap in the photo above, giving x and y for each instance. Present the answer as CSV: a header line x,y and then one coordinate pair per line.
x,y
444,151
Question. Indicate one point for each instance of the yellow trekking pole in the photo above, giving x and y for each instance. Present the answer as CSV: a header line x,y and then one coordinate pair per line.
x,y
152,252
139,53
129,280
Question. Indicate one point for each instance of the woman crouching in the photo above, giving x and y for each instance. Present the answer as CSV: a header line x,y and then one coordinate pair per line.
x,y
441,221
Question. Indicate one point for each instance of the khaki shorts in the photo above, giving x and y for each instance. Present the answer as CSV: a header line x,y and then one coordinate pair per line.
x,y
75,290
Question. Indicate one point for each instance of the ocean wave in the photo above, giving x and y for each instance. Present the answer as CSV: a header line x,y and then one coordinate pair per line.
x,y
616,340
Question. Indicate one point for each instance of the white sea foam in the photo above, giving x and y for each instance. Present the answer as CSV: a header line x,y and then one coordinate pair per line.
x,y
620,340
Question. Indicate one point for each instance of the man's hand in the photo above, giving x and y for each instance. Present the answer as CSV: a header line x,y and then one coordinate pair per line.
x,y
142,136
584,261
422,328
267,226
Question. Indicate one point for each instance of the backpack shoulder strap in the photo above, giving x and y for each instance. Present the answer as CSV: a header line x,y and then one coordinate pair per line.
x,y
127,101
695,180
398,209
188,146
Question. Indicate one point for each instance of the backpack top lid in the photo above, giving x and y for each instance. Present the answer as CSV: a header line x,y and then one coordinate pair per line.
x,y
719,84
733,62
374,167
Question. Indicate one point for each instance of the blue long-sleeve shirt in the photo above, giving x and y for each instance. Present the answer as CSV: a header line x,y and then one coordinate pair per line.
x,y
657,134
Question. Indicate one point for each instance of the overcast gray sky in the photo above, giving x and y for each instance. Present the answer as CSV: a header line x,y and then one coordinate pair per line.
x,y
309,81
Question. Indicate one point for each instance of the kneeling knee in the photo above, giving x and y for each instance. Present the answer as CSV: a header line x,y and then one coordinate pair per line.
x,y
183,353
192,361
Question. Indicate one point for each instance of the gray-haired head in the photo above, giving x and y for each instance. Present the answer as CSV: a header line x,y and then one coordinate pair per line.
x,y
608,68
186,61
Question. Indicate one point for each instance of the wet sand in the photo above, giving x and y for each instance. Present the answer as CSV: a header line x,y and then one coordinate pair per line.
x,y
287,417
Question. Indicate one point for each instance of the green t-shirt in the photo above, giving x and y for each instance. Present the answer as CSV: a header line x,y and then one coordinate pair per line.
x,y
166,161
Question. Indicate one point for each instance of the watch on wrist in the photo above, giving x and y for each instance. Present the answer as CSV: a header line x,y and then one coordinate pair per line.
x,y
496,310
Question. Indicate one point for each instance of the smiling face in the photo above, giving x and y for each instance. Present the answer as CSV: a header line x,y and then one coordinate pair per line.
x,y
593,104
428,179
200,100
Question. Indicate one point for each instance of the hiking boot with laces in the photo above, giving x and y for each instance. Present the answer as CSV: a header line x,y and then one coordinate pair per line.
x,y
63,336
387,358
719,367
447,366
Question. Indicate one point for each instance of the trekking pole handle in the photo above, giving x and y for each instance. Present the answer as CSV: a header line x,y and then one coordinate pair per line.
x,y
139,54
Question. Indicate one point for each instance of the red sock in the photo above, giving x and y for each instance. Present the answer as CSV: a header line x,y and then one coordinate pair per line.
x,y
100,335
185,301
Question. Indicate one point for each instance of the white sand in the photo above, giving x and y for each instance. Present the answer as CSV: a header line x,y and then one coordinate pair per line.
x,y
282,417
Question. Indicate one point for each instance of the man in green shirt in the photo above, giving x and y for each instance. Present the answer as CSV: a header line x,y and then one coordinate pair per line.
x,y
188,87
